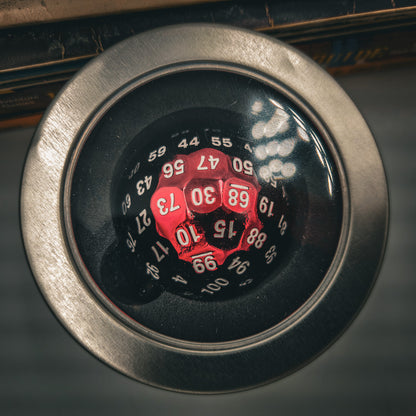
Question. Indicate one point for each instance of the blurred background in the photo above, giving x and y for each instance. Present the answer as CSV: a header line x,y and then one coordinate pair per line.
x,y
370,370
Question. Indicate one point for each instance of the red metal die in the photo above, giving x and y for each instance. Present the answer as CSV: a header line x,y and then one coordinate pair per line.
x,y
169,209
207,195
176,172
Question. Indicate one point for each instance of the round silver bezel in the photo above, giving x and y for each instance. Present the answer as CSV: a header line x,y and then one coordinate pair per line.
x,y
150,357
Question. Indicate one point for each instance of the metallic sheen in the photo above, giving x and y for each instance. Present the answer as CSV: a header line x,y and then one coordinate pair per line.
x,y
196,367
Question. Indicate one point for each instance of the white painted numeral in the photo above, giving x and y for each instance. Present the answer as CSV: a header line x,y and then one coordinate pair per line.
x,y
177,168
131,243
143,185
179,279
160,255
156,153
271,254
240,266
126,204
213,163
204,261
238,195
266,206
143,221
246,282
184,143
256,237
185,236
282,225
224,141
199,196
245,166
215,286
134,170
248,147
152,270
161,204
220,227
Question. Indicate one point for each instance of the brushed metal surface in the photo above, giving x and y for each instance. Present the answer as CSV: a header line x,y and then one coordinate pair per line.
x,y
194,367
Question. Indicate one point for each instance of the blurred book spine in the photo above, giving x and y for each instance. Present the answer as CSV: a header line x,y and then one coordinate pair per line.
x,y
344,36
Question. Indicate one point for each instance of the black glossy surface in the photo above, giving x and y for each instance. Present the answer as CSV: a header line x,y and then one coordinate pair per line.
x,y
135,266
371,370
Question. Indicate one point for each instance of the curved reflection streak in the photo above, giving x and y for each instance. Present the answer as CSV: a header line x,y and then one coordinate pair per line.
x,y
276,103
302,134
330,186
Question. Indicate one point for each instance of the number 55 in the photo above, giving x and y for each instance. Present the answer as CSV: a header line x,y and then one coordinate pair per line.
x,y
225,141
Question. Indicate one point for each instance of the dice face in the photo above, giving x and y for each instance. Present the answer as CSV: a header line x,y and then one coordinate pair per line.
x,y
224,230
208,163
240,196
203,195
205,204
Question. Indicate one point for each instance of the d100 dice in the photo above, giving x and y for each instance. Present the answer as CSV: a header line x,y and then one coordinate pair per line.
x,y
205,204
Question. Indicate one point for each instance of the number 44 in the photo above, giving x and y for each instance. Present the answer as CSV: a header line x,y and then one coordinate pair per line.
x,y
184,143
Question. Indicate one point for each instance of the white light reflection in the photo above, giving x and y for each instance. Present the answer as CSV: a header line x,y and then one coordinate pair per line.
x,y
271,171
318,149
260,152
275,165
48,154
298,120
331,177
258,130
301,129
324,161
278,123
321,158
275,103
257,107
303,135
265,173
330,186
286,147
272,148
275,125
288,170
317,142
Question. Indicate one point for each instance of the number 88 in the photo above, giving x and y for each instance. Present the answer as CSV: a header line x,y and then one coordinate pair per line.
x,y
257,238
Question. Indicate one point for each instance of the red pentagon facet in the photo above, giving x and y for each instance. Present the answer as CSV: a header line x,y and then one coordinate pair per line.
x,y
239,195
